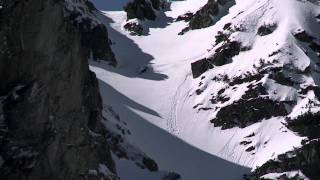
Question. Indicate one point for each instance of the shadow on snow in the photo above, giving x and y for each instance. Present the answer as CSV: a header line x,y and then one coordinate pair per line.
x,y
132,61
171,153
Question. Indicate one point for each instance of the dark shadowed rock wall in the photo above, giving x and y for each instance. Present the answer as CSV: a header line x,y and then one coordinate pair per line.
x,y
50,106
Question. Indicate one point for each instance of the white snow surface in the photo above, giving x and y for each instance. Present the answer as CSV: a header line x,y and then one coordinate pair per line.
x,y
158,104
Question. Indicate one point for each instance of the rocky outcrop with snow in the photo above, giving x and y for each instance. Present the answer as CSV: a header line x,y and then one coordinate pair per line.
x,y
94,35
265,64
139,11
208,15
145,9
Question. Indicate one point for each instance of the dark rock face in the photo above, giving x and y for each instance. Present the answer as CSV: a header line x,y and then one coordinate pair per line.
x,y
96,40
225,52
94,35
134,28
150,164
315,47
201,66
266,30
145,9
185,17
306,125
50,102
251,108
245,112
221,57
205,17
281,78
140,9
160,4
303,36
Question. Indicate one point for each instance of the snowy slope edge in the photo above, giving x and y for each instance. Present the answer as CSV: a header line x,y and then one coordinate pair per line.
x,y
269,58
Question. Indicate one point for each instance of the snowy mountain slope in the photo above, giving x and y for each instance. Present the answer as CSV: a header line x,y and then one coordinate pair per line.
x,y
170,153
130,161
270,76
149,138
255,68
266,62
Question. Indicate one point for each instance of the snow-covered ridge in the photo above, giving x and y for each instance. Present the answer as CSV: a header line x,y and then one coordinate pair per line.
x,y
263,67
268,43
276,53
257,67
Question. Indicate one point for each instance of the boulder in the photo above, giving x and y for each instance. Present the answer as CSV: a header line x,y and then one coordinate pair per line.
x,y
134,27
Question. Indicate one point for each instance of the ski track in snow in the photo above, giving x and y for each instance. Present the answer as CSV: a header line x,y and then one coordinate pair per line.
x,y
229,151
173,118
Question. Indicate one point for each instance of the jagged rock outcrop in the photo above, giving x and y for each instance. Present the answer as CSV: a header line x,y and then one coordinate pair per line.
x,y
305,159
134,27
141,10
203,17
145,9
94,35
50,102
185,17
222,56
208,15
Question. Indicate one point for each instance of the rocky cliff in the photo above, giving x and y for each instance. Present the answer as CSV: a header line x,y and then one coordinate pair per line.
x,y
145,9
139,11
208,15
50,106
